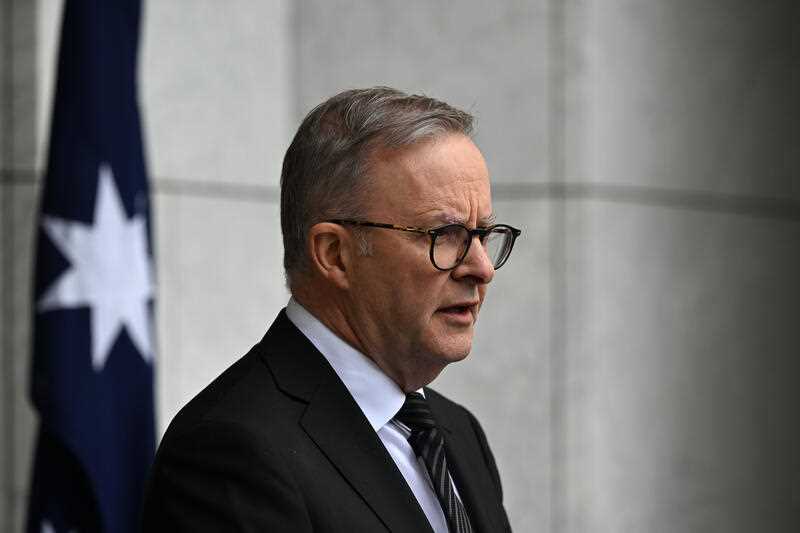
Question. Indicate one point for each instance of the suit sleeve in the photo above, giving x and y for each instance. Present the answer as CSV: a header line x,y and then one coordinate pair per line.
x,y
219,477
491,464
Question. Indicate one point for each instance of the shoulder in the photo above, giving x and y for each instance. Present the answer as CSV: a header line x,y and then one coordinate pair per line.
x,y
229,398
236,417
458,419
226,450
220,459
448,410
263,387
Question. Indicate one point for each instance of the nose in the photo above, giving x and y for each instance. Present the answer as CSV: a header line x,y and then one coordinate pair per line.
x,y
476,264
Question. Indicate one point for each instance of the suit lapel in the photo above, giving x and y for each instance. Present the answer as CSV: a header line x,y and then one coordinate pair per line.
x,y
347,439
337,426
467,464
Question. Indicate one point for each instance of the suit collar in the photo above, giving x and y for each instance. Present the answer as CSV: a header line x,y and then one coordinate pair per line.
x,y
292,359
376,394
333,420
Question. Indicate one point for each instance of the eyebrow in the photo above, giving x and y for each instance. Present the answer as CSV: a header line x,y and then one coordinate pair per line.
x,y
488,220
449,218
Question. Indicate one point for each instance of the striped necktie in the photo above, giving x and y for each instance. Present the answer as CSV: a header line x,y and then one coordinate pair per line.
x,y
428,443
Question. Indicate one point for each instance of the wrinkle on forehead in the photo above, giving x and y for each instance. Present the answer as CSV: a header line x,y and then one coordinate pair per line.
x,y
444,180
458,201
444,215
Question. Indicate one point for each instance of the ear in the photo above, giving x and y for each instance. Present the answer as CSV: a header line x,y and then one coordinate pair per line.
x,y
330,248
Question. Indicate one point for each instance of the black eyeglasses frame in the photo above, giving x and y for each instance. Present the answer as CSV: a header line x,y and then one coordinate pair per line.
x,y
481,233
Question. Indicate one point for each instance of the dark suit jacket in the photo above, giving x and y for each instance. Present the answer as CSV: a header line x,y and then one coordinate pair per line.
x,y
277,443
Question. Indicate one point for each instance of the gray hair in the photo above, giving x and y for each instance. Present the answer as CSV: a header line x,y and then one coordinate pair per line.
x,y
325,167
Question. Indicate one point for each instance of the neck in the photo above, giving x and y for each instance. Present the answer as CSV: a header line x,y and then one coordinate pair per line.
x,y
335,317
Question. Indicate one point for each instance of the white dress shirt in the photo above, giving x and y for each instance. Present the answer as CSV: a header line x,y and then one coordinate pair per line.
x,y
379,399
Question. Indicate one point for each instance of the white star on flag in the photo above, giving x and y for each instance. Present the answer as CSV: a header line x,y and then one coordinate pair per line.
x,y
110,272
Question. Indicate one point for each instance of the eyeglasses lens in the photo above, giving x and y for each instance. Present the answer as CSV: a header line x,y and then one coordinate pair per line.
x,y
449,246
496,244
452,241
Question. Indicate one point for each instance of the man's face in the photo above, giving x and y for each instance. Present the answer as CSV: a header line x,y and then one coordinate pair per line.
x,y
409,316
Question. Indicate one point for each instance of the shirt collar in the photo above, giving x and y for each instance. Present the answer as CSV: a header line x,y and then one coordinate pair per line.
x,y
375,393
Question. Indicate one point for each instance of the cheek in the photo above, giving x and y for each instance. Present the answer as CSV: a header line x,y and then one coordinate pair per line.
x,y
403,283
414,305
396,295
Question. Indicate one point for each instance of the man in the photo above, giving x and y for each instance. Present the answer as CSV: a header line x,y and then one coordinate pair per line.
x,y
326,424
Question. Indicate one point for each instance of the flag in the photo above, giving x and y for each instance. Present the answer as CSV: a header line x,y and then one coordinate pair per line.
x,y
93,343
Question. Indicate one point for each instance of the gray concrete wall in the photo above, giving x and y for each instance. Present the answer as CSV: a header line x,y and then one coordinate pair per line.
x,y
681,256
635,363
19,78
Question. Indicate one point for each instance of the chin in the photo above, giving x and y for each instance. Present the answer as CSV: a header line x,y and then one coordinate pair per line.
x,y
455,350
439,357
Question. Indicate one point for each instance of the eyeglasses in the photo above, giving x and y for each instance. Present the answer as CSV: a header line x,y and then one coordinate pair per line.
x,y
450,243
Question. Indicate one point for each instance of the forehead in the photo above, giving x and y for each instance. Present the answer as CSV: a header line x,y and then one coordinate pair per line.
x,y
444,179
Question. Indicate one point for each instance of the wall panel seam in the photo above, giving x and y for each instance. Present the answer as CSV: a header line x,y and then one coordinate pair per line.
x,y
691,199
696,200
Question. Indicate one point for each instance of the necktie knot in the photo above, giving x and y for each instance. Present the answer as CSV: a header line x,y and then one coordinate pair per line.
x,y
415,413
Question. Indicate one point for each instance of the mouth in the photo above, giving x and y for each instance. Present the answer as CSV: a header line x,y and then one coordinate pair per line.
x,y
464,312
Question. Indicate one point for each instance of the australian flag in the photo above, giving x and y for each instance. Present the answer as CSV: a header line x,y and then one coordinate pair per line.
x,y
93,345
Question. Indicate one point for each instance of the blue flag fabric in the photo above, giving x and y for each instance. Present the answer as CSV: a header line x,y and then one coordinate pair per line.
x,y
93,344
